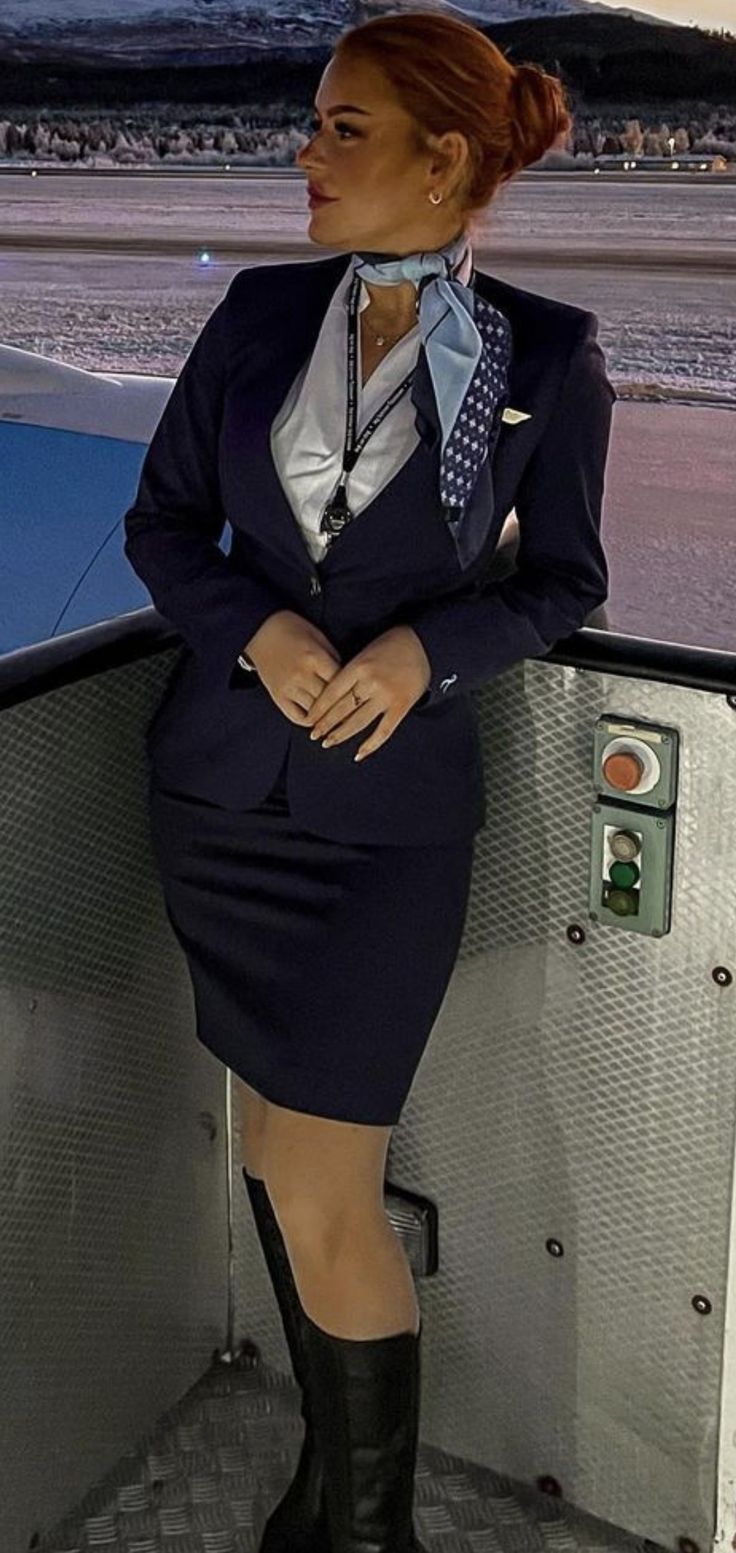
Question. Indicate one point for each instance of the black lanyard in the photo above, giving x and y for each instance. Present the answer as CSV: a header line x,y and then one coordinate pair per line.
x,y
337,512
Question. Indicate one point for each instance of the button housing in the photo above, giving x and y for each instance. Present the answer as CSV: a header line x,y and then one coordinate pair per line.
x,y
633,819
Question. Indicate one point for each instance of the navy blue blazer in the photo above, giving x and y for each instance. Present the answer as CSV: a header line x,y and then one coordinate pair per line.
x,y
216,732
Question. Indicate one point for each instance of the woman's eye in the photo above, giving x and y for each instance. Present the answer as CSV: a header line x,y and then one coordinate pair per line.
x,y
346,127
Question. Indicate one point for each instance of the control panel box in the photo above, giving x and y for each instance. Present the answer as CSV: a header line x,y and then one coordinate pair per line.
x,y
633,824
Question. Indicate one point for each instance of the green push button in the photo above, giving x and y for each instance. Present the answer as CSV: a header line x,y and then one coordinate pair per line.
x,y
623,875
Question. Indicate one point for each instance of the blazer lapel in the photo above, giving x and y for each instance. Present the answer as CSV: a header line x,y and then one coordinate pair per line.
x,y
286,336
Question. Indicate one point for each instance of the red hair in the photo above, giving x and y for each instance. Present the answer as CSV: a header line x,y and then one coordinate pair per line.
x,y
449,76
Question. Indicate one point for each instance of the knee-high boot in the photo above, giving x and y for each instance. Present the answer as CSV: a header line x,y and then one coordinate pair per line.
x,y
364,1395
299,1523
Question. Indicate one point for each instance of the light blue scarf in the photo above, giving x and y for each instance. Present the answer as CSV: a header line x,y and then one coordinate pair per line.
x,y
468,347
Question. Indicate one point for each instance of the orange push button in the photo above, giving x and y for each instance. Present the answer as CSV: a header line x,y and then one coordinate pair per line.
x,y
623,770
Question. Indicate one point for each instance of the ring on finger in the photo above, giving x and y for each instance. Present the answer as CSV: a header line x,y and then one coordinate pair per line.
x,y
357,701
332,736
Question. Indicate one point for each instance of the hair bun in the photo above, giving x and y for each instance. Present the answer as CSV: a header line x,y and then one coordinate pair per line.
x,y
538,116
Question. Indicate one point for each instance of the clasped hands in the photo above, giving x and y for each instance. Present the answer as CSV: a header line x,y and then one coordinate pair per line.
x,y
301,670
388,676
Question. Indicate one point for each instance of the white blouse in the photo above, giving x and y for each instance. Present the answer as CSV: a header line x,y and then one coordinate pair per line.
x,y
308,432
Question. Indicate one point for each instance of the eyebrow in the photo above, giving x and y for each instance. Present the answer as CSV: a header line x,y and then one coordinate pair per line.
x,y
344,107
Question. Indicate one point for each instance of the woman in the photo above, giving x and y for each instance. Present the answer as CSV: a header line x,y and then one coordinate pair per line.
x,y
317,779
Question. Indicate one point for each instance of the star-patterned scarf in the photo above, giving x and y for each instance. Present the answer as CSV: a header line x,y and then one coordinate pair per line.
x,y
468,346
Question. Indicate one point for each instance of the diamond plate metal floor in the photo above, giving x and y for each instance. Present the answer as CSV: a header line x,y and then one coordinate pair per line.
x,y
207,1476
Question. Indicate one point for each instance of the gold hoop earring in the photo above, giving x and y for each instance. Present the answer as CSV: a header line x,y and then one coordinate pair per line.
x,y
435,198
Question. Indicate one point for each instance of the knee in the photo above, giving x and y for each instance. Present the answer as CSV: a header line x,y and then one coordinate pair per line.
x,y
320,1218
325,1178
310,1217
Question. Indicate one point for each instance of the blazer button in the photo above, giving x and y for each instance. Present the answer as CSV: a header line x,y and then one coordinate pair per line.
x,y
315,585
446,683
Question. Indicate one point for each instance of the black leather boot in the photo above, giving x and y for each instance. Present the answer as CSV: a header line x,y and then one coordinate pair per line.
x,y
299,1522
364,1395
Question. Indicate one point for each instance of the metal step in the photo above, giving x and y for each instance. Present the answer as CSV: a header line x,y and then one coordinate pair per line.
x,y
208,1475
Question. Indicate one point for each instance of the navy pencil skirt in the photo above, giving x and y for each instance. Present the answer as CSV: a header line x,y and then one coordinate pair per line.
x,y
318,967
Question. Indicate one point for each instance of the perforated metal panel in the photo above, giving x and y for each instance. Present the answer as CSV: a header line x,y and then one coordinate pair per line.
x,y
574,1098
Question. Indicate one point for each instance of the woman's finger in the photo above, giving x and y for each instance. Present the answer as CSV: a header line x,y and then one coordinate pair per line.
x,y
304,696
301,699
317,683
380,735
297,713
343,720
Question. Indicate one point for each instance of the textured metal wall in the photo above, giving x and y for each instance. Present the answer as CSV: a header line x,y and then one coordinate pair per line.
x,y
584,1093
113,1152
578,1094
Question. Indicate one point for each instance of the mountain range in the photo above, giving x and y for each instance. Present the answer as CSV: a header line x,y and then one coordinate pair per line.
x,y
210,32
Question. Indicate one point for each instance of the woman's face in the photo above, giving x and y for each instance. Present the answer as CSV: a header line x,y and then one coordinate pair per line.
x,y
365,157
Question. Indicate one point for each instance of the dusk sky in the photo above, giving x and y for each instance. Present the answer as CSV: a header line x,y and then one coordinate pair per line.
x,y
704,13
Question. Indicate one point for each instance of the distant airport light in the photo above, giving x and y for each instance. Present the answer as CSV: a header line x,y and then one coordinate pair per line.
x,y
615,163
204,256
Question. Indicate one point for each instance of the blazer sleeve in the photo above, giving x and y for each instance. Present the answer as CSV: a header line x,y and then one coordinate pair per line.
x,y
561,570
176,519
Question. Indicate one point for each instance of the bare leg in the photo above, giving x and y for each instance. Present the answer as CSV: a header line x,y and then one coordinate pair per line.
x,y
325,1181
253,1109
